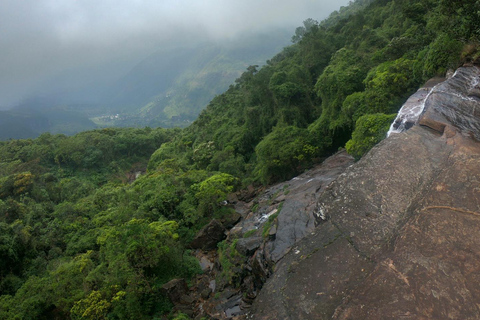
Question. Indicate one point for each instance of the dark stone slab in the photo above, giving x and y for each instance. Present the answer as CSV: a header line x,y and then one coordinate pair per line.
x,y
209,236
396,234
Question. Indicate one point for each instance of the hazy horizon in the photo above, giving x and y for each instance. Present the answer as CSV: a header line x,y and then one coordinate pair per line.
x,y
51,46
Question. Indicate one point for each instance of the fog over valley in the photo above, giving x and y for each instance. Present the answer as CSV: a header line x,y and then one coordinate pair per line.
x,y
74,51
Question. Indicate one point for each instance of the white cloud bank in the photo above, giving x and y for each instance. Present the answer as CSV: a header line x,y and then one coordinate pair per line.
x,y
42,39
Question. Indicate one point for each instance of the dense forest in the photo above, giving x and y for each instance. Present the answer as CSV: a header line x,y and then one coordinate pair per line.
x,y
81,240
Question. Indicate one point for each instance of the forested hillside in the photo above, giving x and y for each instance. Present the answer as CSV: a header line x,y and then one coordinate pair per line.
x,y
79,241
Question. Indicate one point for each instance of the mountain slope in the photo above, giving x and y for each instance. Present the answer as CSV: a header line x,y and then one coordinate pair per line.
x,y
343,75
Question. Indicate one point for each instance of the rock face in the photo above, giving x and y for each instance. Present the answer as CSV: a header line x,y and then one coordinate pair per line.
x,y
396,234
408,115
208,237
455,104
272,222
292,205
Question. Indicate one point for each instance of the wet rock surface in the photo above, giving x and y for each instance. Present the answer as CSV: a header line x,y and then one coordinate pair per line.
x,y
455,104
408,115
390,237
396,234
290,207
209,236
272,222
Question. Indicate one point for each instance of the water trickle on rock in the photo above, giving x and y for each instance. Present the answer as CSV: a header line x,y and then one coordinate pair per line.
x,y
461,89
427,183
454,105
413,108
410,112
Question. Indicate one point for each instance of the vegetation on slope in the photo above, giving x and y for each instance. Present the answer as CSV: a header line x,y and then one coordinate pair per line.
x,y
366,63
78,242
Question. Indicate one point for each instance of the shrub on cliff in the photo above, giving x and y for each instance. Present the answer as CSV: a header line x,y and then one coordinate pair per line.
x,y
281,152
369,130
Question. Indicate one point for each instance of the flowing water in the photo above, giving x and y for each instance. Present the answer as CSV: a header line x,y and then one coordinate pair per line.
x,y
410,111
461,92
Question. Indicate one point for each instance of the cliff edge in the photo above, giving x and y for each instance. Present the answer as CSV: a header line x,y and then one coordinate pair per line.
x,y
396,234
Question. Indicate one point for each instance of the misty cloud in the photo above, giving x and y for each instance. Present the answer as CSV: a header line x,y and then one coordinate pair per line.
x,y
42,41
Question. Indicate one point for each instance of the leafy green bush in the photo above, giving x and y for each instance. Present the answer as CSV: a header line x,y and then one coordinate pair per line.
x,y
280,153
229,258
268,224
441,54
249,233
388,85
370,129
181,316
211,192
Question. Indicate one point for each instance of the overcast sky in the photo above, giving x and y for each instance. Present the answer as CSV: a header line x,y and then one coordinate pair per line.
x,y
40,40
